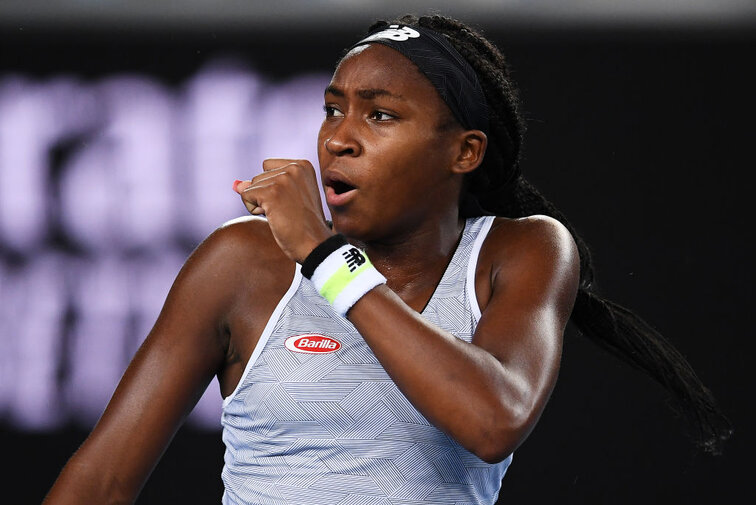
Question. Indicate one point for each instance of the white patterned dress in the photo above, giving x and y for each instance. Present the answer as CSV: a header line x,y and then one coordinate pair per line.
x,y
317,420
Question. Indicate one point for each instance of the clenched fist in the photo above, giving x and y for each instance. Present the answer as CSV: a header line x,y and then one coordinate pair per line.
x,y
287,194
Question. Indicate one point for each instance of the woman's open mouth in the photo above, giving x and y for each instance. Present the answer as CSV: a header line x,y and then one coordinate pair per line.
x,y
337,191
339,194
340,187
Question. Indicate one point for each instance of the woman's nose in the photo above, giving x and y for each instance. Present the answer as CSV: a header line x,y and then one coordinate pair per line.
x,y
343,141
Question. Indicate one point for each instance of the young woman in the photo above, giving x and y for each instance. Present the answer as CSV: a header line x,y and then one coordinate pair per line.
x,y
402,352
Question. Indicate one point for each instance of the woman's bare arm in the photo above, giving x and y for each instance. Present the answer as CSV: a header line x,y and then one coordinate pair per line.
x,y
185,349
488,394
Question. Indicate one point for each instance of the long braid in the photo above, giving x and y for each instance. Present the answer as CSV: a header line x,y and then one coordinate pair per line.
x,y
500,189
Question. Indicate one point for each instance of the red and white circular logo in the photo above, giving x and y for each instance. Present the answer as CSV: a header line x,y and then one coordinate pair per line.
x,y
312,343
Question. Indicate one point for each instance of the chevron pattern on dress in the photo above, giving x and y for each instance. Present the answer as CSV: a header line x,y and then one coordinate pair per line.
x,y
333,428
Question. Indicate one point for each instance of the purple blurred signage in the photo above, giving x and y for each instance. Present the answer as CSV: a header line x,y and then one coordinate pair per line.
x,y
105,187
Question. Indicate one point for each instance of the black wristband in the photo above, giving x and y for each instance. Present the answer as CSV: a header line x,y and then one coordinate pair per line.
x,y
321,252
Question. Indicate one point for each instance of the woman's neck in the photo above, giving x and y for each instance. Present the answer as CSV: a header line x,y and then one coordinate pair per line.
x,y
414,260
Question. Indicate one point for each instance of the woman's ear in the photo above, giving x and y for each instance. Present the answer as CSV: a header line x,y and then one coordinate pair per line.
x,y
472,148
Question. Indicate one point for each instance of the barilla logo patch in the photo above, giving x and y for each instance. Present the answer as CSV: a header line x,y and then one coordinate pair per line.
x,y
312,343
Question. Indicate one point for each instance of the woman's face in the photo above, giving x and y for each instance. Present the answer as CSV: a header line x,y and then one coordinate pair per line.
x,y
384,155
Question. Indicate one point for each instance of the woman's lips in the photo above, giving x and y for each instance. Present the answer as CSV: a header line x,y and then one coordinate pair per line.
x,y
334,199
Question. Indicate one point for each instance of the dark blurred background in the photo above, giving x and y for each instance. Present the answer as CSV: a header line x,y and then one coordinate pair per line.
x,y
122,125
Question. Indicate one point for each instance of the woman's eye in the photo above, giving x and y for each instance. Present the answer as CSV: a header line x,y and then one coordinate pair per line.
x,y
331,111
381,116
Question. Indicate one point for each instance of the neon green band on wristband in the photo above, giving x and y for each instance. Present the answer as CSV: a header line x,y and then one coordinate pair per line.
x,y
340,279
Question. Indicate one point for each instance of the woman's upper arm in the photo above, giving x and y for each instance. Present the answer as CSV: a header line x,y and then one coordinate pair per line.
x,y
164,380
533,279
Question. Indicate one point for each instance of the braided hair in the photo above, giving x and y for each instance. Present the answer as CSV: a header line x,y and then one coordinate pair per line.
x,y
498,187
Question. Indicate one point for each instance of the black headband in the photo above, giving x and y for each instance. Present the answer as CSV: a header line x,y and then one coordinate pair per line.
x,y
444,67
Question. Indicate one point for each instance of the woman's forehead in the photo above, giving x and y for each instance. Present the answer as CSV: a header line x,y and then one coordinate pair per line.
x,y
379,66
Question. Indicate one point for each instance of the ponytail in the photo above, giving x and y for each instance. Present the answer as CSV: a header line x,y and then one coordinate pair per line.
x,y
624,334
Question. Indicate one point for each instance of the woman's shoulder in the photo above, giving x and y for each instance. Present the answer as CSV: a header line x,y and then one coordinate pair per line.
x,y
534,241
527,228
240,249
249,226
248,237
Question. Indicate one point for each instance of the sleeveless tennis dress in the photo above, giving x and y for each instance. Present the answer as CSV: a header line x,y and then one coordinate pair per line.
x,y
316,419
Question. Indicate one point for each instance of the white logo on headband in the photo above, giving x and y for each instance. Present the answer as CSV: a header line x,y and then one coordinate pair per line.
x,y
394,32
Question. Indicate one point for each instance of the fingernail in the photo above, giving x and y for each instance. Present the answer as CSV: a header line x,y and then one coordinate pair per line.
x,y
236,183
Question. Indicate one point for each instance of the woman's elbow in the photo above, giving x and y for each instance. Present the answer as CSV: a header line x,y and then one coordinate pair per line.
x,y
504,434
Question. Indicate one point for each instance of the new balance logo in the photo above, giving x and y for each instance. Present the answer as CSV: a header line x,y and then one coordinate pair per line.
x,y
354,258
394,32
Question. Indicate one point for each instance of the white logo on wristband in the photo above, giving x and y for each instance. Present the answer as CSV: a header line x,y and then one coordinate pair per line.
x,y
344,276
354,258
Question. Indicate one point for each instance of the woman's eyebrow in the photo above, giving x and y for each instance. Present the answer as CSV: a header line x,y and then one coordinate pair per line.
x,y
333,90
366,94
370,93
